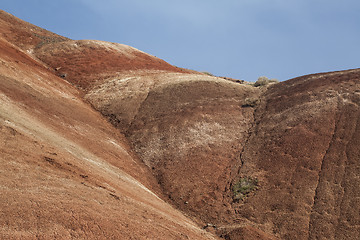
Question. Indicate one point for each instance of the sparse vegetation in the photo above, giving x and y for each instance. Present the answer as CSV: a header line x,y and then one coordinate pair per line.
x,y
251,102
243,187
208,73
263,81
47,39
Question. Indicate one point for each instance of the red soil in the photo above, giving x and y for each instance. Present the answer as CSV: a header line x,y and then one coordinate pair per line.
x,y
65,171
86,63
189,139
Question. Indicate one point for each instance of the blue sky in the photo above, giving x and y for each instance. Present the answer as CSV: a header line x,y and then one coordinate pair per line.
x,y
242,39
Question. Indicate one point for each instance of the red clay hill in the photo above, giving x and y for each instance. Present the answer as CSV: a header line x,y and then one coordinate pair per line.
x,y
102,141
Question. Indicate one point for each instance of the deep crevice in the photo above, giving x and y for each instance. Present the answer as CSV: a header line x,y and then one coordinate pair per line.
x,y
253,129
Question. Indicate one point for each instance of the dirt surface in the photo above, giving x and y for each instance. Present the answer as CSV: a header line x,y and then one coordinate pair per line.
x,y
191,134
158,138
25,35
201,134
65,172
304,152
87,62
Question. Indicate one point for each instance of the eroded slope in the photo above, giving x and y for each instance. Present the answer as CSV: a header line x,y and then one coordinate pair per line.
x,y
179,122
65,171
304,153
85,63
200,136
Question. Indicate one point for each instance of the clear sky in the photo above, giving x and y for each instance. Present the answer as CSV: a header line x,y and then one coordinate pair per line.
x,y
242,39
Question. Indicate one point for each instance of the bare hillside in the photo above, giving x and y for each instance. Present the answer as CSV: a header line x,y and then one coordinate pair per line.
x,y
66,173
101,140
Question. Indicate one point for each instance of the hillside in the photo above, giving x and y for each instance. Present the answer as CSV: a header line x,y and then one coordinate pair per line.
x,y
101,140
65,171
304,150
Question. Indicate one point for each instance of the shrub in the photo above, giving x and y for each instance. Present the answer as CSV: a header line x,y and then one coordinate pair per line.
x,y
251,102
263,81
208,73
243,187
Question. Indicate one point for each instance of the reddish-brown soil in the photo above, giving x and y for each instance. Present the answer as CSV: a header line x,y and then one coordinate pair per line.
x,y
199,135
304,151
85,62
188,138
25,35
65,172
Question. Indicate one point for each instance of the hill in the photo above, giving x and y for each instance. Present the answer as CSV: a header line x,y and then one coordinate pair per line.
x,y
65,171
102,140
